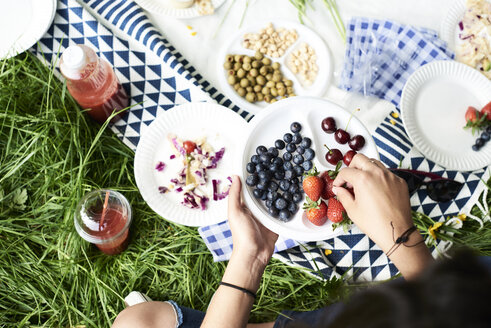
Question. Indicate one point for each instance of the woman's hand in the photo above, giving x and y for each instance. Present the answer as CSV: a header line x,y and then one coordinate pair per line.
x,y
252,241
381,198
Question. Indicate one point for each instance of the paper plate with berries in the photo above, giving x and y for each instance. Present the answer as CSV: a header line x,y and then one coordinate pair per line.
x,y
269,61
288,140
184,161
434,104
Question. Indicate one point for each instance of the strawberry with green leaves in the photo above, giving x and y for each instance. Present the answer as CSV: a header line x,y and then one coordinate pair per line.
x,y
328,178
476,120
315,211
337,214
312,184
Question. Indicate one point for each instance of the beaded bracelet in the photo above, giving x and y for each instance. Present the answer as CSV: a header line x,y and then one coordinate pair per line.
x,y
247,291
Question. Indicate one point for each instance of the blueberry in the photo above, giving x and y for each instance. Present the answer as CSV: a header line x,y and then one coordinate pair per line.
x,y
268,203
485,136
287,157
252,180
291,147
273,151
275,167
272,195
285,215
261,167
298,170
309,154
251,167
263,197
293,208
280,203
287,137
488,129
297,197
273,186
288,196
280,144
265,175
285,185
277,161
261,150
306,143
273,211
475,148
298,159
294,188
300,150
288,165
307,165
295,127
258,193
297,138
279,175
294,181
262,185
480,142
265,158
290,174
255,159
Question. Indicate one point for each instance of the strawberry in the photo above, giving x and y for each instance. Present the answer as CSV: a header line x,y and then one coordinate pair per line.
x,y
477,120
335,211
316,211
471,115
328,178
486,111
312,185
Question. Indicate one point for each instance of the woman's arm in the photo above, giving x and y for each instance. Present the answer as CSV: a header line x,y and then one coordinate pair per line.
x,y
252,250
380,208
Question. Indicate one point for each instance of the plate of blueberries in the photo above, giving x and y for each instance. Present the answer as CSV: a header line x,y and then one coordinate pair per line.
x,y
284,142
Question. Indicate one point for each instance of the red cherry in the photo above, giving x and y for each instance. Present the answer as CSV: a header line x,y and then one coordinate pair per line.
x,y
328,125
189,146
334,156
357,142
348,157
341,136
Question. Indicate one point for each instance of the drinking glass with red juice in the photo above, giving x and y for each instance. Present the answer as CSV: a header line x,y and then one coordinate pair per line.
x,y
92,82
103,217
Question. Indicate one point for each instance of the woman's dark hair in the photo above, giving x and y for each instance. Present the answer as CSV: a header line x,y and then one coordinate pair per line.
x,y
450,293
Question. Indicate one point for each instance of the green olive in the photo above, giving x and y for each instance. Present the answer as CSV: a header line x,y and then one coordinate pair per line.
x,y
240,73
265,91
241,92
237,66
288,83
227,65
231,72
244,83
254,72
281,91
229,58
274,92
256,64
236,86
238,58
267,98
257,88
259,96
289,90
231,80
261,80
280,85
276,65
258,55
263,71
247,59
276,77
270,84
292,95
246,66
269,77
277,72
266,61
273,100
249,89
250,97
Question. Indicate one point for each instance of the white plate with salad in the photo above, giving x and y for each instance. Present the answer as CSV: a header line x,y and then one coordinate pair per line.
x,y
181,8
184,161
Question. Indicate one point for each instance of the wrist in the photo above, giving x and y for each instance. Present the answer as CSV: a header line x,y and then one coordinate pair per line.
x,y
244,271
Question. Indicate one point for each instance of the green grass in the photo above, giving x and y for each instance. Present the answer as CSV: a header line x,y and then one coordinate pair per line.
x,y
51,155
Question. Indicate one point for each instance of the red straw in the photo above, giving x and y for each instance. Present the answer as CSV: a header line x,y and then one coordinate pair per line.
x,y
104,210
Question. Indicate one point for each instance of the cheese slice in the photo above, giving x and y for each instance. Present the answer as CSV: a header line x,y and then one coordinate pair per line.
x,y
180,4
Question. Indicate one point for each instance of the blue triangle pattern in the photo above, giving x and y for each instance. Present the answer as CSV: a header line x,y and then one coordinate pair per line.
x,y
416,162
121,128
427,208
140,55
124,55
155,83
140,70
133,140
351,240
94,40
445,206
109,56
136,126
152,110
157,69
79,27
393,270
108,39
376,270
374,254
171,82
125,71
93,25
154,96
140,85
358,271
77,10
170,95
63,12
138,113
357,255
186,94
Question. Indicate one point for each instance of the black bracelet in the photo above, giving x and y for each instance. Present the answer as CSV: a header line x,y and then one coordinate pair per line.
x,y
402,239
247,291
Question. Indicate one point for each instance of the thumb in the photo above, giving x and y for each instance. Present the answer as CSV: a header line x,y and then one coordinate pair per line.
x,y
234,194
345,197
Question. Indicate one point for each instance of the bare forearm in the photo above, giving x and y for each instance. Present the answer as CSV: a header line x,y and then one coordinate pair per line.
x,y
230,307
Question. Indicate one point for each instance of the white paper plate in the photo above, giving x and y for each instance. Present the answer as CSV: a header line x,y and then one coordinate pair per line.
x,y
271,124
222,128
324,62
162,8
23,23
449,29
433,105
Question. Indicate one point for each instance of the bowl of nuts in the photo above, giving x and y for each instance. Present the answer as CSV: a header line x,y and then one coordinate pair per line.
x,y
270,61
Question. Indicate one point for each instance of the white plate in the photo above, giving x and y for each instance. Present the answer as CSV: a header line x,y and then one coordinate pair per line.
x,y
324,62
449,29
23,23
222,128
162,8
271,124
433,105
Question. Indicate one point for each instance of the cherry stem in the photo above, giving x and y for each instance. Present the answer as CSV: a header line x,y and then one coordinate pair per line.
x,y
330,151
352,113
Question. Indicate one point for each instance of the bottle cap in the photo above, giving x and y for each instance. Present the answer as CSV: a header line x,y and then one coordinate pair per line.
x,y
74,57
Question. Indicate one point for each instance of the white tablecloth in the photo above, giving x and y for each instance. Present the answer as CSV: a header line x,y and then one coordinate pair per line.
x,y
200,49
